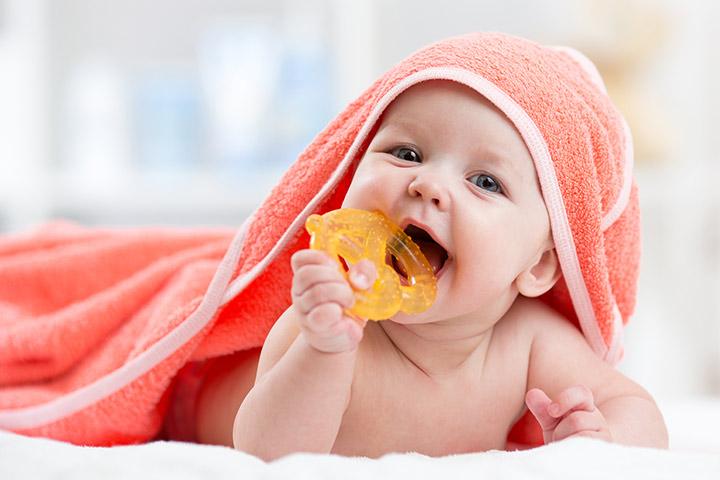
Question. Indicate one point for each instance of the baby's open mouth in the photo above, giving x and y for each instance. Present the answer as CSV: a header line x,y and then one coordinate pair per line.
x,y
435,254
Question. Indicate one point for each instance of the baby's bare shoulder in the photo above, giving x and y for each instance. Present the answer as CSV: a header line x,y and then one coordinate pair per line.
x,y
560,357
525,319
514,333
551,335
531,314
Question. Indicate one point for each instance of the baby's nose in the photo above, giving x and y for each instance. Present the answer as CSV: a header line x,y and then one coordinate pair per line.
x,y
430,188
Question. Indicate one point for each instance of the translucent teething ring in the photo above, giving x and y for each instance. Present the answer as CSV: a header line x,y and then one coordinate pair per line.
x,y
353,235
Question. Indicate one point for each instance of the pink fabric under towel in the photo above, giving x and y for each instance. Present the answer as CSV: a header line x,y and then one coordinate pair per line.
x,y
95,324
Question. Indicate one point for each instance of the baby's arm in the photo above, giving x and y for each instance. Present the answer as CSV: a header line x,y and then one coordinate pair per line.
x,y
572,392
306,366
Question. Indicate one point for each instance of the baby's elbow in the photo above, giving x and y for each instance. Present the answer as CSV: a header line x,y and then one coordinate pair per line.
x,y
245,443
658,437
257,450
242,444
656,433
655,427
245,439
662,438
241,440
264,456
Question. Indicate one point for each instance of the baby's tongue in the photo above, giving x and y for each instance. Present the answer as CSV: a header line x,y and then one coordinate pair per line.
x,y
434,253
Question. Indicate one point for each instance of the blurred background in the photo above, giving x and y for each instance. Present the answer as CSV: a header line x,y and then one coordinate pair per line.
x,y
185,112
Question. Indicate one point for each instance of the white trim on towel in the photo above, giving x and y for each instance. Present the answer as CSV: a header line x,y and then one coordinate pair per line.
x,y
615,350
585,63
70,403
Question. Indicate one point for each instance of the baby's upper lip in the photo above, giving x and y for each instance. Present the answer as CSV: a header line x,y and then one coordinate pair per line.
x,y
409,220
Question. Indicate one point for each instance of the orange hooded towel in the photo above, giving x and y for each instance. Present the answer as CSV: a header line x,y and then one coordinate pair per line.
x,y
95,324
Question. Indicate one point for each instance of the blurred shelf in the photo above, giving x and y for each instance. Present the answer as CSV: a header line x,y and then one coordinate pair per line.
x,y
48,46
146,197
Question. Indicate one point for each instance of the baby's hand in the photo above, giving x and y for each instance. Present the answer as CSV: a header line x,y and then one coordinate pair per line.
x,y
573,415
320,293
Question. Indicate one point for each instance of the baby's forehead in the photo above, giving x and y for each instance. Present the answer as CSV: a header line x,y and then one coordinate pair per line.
x,y
432,106
426,93
436,104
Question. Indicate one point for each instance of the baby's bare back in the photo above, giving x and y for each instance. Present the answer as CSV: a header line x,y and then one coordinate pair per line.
x,y
395,407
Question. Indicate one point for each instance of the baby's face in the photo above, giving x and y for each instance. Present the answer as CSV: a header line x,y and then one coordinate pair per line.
x,y
446,160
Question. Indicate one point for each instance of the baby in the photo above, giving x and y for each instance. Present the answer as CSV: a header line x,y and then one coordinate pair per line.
x,y
449,167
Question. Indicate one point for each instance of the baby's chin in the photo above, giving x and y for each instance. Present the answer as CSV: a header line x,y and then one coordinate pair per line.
x,y
407,319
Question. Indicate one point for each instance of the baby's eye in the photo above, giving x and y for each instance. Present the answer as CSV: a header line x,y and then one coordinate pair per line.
x,y
486,182
406,153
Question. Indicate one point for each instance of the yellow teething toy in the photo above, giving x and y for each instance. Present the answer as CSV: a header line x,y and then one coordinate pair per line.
x,y
352,235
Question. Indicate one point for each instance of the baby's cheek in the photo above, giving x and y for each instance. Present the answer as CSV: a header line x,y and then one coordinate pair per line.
x,y
360,193
485,279
368,192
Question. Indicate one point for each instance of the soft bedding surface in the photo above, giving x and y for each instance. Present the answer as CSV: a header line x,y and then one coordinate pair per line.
x,y
24,457
692,424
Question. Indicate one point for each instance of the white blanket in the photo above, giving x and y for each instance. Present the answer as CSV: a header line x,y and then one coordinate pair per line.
x,y
23,457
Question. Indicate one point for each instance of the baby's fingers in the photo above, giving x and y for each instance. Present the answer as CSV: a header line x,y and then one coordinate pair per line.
x,y
362,275
306,257
325,320
310,275
578,397
537,402
338,293
581,423
328,330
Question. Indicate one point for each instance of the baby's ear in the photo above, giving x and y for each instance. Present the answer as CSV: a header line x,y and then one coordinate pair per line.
x,y
540,276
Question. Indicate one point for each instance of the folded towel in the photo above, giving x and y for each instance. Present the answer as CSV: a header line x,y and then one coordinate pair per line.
x,y
94,324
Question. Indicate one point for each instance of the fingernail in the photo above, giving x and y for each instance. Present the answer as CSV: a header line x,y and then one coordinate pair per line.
x,y
360,279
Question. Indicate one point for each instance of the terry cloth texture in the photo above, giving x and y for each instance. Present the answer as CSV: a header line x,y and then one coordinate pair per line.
x,y
94,325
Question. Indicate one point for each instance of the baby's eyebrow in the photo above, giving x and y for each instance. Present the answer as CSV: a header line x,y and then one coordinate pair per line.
x,y
501,160
404,124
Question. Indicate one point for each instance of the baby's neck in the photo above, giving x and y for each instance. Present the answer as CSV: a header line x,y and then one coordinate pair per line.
x,y
439,350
